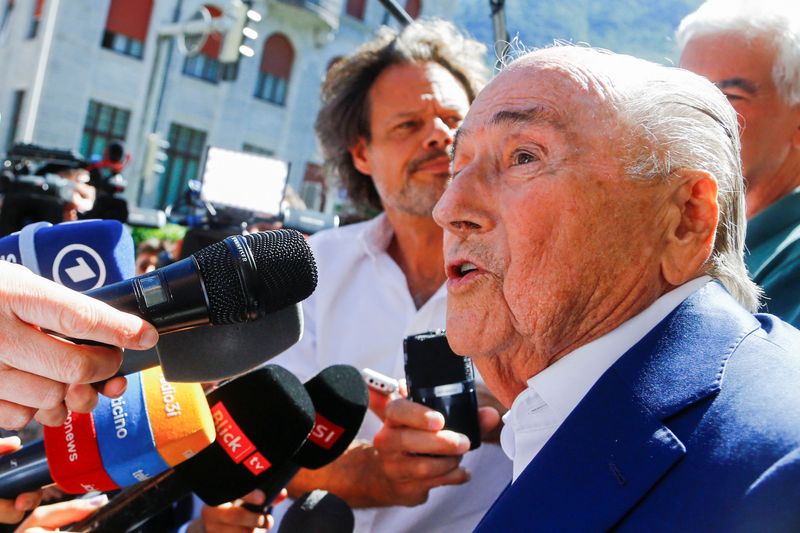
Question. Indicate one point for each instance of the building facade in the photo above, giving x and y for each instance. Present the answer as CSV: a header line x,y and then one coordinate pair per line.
x,y
77,74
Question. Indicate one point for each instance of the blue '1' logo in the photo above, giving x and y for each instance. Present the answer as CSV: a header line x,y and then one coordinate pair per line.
x,y
79,267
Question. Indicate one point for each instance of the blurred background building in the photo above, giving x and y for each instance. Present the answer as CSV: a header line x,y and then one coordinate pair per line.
x,y
77,74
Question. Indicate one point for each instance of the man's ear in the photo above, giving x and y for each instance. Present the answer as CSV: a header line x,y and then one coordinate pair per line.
x,y
692,223
360,156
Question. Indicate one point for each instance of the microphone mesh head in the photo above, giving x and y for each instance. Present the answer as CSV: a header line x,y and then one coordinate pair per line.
x,y
285,270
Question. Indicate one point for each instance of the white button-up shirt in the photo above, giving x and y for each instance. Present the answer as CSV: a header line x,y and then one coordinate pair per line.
x,y
554,392
359,315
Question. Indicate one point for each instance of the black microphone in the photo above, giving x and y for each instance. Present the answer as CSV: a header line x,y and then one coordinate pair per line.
x,y
318,511
216,353
440,379
341,400
236,280
261,419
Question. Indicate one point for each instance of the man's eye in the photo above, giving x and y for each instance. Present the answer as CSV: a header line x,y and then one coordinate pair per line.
x,y
524,158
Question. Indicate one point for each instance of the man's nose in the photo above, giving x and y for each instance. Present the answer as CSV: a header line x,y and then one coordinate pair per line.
x,y
440,135
465,206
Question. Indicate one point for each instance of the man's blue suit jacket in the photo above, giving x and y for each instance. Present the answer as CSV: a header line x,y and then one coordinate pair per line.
x,y
695,428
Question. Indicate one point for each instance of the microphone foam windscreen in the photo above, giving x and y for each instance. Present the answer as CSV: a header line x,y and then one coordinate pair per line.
x,y
341,400
261,419
179,416
219,352
285,270
74,456
125,436
318,511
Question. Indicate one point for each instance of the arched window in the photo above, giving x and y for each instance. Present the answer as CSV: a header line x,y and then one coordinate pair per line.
x,y
355,8
126,26
276,69
204,65
414,8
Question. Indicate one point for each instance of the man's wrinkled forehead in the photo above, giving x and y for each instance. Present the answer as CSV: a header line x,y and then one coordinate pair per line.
x,y
541,90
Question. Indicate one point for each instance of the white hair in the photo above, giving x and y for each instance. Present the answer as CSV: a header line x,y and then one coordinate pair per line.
x,y
778,21
678,120
670,119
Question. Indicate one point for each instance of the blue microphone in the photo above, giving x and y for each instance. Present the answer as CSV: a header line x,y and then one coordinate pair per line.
x,y
81,255
126,442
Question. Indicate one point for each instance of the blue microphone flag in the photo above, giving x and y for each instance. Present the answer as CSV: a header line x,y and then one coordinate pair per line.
x,y
127,447
81,255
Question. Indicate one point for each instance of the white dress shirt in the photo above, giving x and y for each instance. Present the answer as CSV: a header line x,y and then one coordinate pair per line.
x,y
359,315
554,392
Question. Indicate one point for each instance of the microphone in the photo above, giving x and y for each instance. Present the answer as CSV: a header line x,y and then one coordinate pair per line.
x,y
261,419
117,444
86,254
239,279
236,458
81,255
213,354
444,381
124,436
72,460
152,419
318,511
341,400
68,455
179,417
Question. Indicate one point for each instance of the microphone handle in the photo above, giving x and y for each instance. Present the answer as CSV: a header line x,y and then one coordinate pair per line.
x,y
134,505
275,480
171,298
24,470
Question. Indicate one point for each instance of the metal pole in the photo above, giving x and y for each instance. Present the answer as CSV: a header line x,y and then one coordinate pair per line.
x,y
501,38
152,103
41,70
154,98
397,12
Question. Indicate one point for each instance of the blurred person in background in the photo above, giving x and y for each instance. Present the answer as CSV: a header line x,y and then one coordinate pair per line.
x,y
148,255
750,49
83,196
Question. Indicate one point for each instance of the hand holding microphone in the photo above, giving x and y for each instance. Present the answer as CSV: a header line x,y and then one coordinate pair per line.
x,y
423,437
232,282
42,375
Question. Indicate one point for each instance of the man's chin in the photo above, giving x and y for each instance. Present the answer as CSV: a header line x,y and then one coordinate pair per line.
x,y
468,335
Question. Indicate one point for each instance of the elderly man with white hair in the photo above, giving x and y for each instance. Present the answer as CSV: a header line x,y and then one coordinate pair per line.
x,y
593,244
750,49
